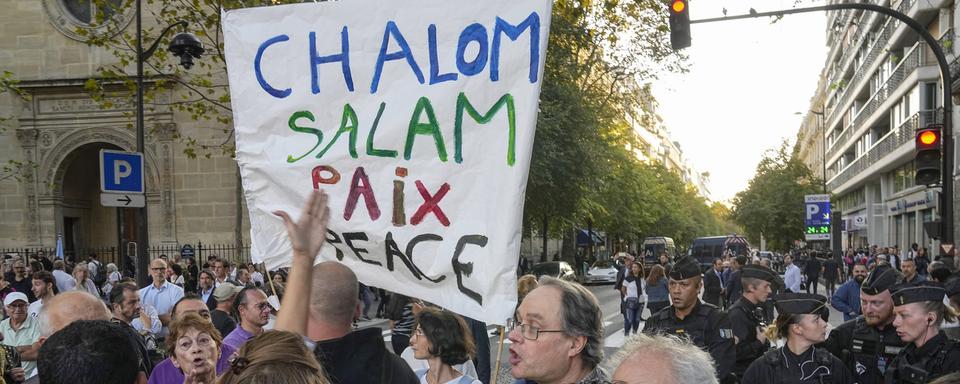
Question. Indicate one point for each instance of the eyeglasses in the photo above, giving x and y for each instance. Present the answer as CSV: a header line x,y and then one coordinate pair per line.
x,y
528,331
262,306
17,306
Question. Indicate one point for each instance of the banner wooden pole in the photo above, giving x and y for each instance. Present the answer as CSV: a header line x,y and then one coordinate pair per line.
x,y
496,371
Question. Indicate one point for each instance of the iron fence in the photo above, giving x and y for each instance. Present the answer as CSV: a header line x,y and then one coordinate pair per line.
x,y
107,254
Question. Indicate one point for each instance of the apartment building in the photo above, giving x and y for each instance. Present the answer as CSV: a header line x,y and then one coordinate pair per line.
x,y
879,84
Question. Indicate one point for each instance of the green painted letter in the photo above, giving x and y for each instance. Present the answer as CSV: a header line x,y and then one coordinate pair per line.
x,y
464,105
347,124
431,127
292,122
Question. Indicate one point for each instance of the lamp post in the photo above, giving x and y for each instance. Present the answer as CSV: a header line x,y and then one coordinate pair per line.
x,y
187,47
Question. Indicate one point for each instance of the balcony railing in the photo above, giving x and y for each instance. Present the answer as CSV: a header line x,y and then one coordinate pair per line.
x,y
894,139
907,65
877,47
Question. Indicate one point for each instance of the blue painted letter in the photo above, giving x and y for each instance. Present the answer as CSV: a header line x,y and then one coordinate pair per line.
x,y
473,32
513,32
343,57
256,68
435,76
392,30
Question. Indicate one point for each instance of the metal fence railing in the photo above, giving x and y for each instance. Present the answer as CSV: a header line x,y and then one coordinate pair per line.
x,y
110,254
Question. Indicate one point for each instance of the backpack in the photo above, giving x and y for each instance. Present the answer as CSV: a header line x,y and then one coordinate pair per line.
x,y
101,276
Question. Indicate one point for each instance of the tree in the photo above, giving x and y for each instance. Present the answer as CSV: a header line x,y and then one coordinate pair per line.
x,y
12,169
772,203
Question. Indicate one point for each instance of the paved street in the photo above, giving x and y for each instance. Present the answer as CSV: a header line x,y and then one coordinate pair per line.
x,y
612,324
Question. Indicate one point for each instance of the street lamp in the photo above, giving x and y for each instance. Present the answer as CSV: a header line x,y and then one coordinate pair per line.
x,y
187,47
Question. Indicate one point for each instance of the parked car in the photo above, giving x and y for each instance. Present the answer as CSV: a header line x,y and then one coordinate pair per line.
x,y
602,271
558,269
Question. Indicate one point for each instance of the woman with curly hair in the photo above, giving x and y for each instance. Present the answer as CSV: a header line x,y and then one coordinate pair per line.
x,y
442,339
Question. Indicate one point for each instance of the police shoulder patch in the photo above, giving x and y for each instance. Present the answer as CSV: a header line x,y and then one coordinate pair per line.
x,y
726,333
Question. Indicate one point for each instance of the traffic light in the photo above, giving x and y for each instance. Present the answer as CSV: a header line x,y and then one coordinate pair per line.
x,y
928,155
679,24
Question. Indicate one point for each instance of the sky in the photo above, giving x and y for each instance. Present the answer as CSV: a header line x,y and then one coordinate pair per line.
x,y
747,80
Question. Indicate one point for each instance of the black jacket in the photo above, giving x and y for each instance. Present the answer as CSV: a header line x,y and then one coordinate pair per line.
x,y
362,357
706,326
865,350
815,366
745,317
712,288
937,357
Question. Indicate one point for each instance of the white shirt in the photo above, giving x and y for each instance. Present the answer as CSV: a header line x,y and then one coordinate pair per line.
x,y
467,368
92,267
34,309
791,278
65,282
257,277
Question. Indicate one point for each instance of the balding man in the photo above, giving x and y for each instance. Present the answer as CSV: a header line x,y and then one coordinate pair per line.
x,y
161,294
334,305
332,290
66,308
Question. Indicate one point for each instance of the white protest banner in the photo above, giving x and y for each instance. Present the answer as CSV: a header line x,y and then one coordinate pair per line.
x,y
416,117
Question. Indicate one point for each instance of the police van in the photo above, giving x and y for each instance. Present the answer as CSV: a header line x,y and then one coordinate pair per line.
x,y
706,249
654,246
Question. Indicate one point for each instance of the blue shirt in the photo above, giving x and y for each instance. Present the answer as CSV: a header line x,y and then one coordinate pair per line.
x,y
847,299
162,299
206,295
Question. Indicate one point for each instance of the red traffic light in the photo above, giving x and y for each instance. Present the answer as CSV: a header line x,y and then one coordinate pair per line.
x,y
928,138
678,6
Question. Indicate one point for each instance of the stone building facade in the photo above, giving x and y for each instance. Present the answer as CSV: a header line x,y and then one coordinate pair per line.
x,y
56,133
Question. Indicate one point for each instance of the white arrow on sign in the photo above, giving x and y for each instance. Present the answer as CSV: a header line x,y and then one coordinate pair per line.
x,y
124,200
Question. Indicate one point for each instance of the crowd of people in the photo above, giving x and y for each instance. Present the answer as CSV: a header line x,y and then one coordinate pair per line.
x,y
221,324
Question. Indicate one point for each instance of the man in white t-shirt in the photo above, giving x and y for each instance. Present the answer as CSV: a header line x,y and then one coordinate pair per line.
x,y
65,282
43,284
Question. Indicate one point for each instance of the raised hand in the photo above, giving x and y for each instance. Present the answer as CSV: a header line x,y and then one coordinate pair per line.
x,y
308,234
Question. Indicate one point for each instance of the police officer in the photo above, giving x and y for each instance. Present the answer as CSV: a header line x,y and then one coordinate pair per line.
x,y
705,325
952,287
929,354
867,344
749,316
802,321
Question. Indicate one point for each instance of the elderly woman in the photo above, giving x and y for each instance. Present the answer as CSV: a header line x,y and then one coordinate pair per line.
x,y
84,283
443,340
274,357
802,322
194,350
919,311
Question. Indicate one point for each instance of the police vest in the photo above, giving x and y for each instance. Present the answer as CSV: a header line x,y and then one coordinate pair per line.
x,y
696,333
917,373
871,349
821,357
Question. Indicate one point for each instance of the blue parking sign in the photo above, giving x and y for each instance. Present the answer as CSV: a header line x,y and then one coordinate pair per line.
x,y
121,172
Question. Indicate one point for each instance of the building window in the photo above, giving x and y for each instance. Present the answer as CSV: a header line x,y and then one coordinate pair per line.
x,y
89,11
903,177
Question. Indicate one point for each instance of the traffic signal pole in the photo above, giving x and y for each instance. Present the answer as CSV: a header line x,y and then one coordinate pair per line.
x,y
946,183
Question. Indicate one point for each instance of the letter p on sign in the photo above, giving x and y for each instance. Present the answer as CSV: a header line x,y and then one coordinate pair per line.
x,y
121,172
812,211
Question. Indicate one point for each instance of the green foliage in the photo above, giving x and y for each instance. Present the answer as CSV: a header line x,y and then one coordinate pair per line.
x,y
772,204
584,168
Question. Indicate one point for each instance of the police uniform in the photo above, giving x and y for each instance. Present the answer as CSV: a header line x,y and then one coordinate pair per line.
x,y
706,326
952,287
746,317
813,366
867,351
936,357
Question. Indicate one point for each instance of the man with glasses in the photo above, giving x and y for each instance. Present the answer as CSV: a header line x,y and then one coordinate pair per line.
x,y
21,281
21,331
557,336
253,310
161,294
701,323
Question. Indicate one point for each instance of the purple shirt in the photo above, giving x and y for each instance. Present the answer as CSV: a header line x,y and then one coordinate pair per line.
x,y
166,373
237,338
